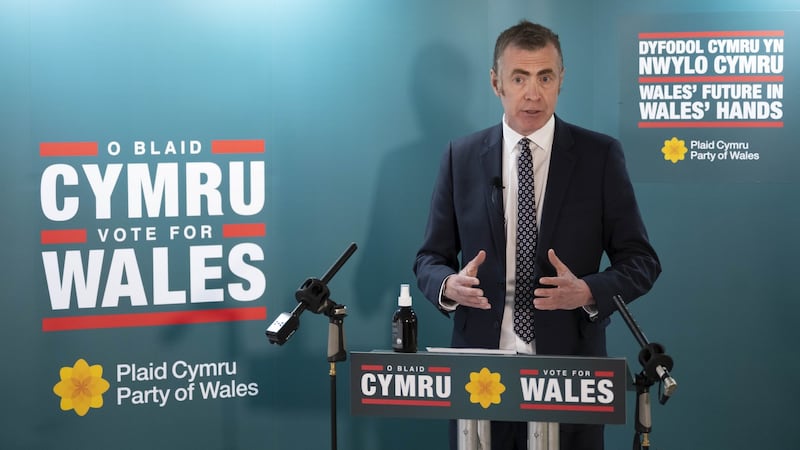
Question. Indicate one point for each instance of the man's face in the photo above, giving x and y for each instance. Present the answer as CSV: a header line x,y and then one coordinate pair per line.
x,y
528,83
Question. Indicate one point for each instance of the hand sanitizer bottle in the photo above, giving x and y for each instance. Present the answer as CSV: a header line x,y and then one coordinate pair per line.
x,y
404,324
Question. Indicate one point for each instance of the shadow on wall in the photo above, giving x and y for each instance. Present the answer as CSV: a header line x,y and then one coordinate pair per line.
x,y
440,92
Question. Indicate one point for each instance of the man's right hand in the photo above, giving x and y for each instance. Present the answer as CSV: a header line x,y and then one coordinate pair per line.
x,y
461,289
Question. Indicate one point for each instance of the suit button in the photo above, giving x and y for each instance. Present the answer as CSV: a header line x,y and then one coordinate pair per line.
x,y
496,324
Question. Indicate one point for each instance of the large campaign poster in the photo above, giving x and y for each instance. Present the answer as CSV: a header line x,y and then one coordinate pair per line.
x,y
146,233
710,98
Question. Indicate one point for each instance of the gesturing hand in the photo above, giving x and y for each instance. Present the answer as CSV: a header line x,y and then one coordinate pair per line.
x,y
566,292
461,289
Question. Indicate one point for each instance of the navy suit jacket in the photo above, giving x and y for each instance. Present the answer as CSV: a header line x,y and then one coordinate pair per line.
x,y
589,209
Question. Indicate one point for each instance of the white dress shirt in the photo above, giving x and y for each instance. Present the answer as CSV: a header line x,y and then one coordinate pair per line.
x,y
541,147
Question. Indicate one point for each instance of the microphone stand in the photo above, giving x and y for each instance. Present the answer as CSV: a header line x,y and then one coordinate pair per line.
x,y
336,353
655,369
314,295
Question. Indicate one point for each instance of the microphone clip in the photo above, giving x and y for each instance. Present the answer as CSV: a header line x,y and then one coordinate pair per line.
x,y
656,364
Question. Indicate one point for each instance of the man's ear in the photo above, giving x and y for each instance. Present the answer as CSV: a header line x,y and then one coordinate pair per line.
x,y
497,87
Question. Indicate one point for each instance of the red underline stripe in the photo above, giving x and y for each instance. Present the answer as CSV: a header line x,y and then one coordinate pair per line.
x,y
604,373
233,230
713,79
238,146
77,236
529,372
586,408
68,149
710,34
398,402
439,369
372,367
153,319
715,124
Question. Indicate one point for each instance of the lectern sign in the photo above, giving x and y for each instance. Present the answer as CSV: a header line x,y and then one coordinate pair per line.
x,y
488,386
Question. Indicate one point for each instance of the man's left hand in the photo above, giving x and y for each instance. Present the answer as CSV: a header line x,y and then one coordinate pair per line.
x,y
565,291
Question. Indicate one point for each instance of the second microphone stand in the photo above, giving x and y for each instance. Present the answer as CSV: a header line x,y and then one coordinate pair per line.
x,y
655,369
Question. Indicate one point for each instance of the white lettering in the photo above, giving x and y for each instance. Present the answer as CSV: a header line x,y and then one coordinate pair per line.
x,y
155,193
49,187
125,280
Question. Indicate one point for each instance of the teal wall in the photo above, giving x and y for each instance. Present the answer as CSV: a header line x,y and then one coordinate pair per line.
x,y
355,100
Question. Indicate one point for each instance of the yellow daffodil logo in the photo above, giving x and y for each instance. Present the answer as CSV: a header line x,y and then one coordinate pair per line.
x,y
485,388
674,150
81,387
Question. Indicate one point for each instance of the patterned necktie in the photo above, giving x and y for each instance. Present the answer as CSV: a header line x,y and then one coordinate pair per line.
x,y
526,244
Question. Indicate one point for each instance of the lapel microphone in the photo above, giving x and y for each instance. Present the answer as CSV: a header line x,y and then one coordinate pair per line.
x,y
497,183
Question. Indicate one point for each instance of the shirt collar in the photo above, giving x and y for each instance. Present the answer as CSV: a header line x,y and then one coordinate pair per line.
x,y
543,137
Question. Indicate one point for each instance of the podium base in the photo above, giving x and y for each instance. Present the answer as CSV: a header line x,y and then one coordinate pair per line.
x,y
474,434
477,435
543,436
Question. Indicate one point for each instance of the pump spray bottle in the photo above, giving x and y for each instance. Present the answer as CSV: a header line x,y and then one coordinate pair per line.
x,y
404,324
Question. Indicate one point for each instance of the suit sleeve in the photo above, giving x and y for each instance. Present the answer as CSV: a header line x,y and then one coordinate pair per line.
x,y
437,258
634,265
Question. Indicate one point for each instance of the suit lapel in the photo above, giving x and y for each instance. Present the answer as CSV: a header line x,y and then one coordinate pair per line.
x,y
491,160
562,163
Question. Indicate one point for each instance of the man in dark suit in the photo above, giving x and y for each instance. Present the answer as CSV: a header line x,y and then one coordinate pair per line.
x,y
583,206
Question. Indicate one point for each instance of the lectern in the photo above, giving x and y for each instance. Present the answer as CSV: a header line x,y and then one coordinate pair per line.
x,y
476,387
